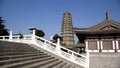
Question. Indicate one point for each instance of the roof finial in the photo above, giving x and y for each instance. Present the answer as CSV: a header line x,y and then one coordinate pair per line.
x,y
107,16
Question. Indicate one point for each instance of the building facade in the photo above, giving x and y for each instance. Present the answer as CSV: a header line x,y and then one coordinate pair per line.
x,y
101,38
67,29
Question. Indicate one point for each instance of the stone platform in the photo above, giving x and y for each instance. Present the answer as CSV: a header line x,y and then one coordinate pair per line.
x,y
105,60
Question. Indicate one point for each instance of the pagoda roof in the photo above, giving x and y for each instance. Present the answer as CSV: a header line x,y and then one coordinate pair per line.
x,y
105,27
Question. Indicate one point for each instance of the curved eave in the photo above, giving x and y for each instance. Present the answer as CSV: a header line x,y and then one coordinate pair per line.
x,y
98,26
105,22
112,31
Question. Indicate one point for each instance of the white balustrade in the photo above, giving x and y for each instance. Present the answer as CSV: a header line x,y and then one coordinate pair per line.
x,y
8,37
70,55
57,49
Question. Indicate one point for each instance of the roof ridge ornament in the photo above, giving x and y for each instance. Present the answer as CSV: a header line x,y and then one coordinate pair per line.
x,y
107,16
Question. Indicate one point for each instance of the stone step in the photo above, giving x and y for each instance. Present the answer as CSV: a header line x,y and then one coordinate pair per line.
x,y
10,61
72,66
51,64
16,50
14,45
40,63
18,53
66,65
7,57
28,63
59,65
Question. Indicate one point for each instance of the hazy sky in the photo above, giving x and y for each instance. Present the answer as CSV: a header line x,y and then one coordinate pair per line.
x,y
47,14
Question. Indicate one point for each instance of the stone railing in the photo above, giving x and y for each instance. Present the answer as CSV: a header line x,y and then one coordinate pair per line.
x,y
55,48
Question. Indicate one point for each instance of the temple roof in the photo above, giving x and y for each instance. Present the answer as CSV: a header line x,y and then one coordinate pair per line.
x,y
107,26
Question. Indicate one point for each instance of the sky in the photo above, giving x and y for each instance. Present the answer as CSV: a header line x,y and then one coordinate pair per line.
x,y
46,15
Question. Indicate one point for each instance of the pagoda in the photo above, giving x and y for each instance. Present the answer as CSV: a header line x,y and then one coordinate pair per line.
x,y
67,29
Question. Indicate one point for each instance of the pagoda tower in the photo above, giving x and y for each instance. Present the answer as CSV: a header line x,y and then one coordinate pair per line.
x,y
67,29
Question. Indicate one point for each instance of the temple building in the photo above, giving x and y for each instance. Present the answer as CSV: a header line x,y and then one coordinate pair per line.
x,y
101,38
67,29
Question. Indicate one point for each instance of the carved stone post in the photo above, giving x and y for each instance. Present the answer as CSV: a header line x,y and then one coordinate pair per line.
x,y
10,35
58,47
88,58
33,34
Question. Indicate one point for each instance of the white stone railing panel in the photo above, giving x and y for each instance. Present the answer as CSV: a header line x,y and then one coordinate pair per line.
x,y
80,59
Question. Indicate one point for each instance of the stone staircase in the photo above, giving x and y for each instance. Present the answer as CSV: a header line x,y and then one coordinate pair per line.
x,y
18,55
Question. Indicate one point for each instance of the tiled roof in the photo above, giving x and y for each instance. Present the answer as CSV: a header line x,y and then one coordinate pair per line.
x,y
107,26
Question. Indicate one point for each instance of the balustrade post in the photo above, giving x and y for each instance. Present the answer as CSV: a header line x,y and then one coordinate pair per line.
x,y
45,44
72,56
10,35
87,59
18,38
33,35
3,38
58,51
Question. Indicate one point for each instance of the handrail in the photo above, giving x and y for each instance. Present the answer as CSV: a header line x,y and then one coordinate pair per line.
x,y
80,59
8,37
64,52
